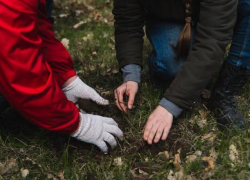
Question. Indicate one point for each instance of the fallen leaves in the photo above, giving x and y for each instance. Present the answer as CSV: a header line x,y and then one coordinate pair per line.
x,y
210,161
10,166
138,173
210,137
233,153
88,37
177,160
175,176
79,24
179,174
203,113
65,43
63,15
24,172
118,161
88,6
191,158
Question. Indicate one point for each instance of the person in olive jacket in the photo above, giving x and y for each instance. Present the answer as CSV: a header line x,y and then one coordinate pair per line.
x,y
189,40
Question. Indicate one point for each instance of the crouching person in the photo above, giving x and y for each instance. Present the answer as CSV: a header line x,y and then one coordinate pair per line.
x,y
37,77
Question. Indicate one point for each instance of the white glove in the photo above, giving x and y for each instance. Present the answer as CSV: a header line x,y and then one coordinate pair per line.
x,y
78,89
99,131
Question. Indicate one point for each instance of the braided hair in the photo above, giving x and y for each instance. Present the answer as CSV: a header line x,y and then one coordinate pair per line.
x,y
183,43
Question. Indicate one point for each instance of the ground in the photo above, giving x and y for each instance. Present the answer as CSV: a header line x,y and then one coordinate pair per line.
x,y
195,148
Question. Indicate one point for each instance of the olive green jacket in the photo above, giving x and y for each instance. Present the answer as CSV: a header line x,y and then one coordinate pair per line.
x,y
215,21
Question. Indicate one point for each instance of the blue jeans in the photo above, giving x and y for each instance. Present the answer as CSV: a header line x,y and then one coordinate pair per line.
x,y
163,62
240,47
163,65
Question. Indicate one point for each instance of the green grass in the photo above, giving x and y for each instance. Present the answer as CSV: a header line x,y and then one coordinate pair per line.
x,y
47,155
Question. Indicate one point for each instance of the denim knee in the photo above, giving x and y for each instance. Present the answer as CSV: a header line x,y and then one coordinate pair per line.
x,y
164,67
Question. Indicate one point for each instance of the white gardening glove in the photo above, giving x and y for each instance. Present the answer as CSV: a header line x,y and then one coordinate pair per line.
x,y
79,90
98,130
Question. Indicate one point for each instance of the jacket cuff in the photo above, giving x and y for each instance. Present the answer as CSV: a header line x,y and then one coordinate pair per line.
x,y
174,109
131,72
64,77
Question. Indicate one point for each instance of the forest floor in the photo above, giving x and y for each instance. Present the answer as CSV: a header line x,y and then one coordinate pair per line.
x,y
195,148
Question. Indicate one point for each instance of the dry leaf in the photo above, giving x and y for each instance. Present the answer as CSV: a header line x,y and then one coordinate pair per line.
x,y
191,158
65,43
115,71
137,173
213,153
88,37
203,113
198,153
94,53
166,154
207,175
171,175
179,175
233,153
92,68
89,7
51,176
189,177
177,161
24,172
105,93
8,167
118,161
63,15
210,161
202,123
78,12
61,175
85,39
210,137
79,24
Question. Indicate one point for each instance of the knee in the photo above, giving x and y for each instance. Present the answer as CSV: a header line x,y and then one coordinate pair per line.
x,y
166,67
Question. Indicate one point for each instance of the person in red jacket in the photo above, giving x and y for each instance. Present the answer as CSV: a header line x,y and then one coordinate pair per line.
x,y
37,77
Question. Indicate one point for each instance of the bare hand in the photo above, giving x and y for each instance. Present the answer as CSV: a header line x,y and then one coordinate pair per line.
x,y
158,125
129,88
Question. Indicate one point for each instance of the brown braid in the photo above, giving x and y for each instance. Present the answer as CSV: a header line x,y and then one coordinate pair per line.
x,y
183,44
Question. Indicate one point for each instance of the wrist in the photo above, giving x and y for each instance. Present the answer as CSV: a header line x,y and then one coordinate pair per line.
x,y
172,108
131,72
79,128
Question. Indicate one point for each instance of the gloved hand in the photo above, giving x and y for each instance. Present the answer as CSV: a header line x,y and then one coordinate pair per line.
x,y
98,130
78,89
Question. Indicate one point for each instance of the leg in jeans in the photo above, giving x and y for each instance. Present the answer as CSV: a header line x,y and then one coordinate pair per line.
x,y
234,73
240,48
163,64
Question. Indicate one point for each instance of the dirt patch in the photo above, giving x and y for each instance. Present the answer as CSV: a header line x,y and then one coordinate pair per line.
x,y
132,145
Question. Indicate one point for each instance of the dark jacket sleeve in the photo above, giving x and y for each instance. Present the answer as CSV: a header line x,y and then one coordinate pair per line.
x,y
129,22
214,33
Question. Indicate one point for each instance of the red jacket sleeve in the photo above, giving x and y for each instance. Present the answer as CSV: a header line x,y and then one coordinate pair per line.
x,y
26,79
53,50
